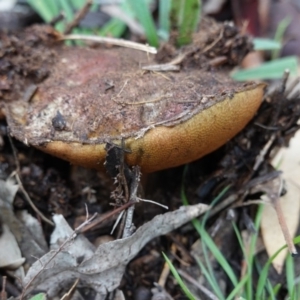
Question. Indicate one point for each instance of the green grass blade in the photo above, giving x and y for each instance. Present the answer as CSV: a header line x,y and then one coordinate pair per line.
x,y
264,273
250,259
216,252
143,14
241,244
67,9
275,290
290,275
266,44
185,17
279,35
239,237
234,293
178,279
164,18
210,276
206,239
211,280
47,10
78,4
272,290
114,28
214,202
183,196
40,296
268,286
269,70
297,291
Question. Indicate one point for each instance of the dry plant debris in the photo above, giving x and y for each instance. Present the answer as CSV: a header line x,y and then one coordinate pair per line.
x,y
100,269
288,161
29,237
11,257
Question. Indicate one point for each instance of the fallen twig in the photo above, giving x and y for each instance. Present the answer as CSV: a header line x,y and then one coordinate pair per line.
x,y
21,187
202,288
111,41
78,17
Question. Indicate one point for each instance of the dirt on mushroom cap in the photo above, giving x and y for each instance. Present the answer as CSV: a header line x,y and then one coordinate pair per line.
x,y
94,96
103,96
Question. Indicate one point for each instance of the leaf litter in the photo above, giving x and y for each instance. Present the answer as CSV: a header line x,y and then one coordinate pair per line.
x,y
289,162
103,268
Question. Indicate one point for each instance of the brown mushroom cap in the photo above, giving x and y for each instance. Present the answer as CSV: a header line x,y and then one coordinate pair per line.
x,y
98,96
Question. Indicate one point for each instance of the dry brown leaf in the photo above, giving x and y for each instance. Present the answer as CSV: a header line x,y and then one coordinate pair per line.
x,y
289,160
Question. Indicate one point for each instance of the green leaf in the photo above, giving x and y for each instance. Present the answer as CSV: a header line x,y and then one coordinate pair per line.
x,y
143,14
164,18
284,23
207,240
67,9
185,16
269,70
78,4
40,296
47,10
235,292
276,289
290,275
178,279
264,273
250,258
265,44
211,280
114,27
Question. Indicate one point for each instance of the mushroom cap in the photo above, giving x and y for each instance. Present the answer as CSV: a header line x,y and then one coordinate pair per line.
x,y
165,119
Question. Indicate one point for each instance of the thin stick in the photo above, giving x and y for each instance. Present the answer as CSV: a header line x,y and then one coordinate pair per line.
x,y
202,288
21,187
106,216
3,292
79,16
284,227
111,41
153,202
127,232
164,275
263,153
161,68
166,269
71,291
117,222
282,222
61,247
161,293
28,199
57,19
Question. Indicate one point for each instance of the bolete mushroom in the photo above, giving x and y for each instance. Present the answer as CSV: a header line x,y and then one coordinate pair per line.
x,y
165,119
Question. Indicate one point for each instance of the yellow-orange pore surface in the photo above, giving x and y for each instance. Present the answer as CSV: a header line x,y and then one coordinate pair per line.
x,y
164,147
